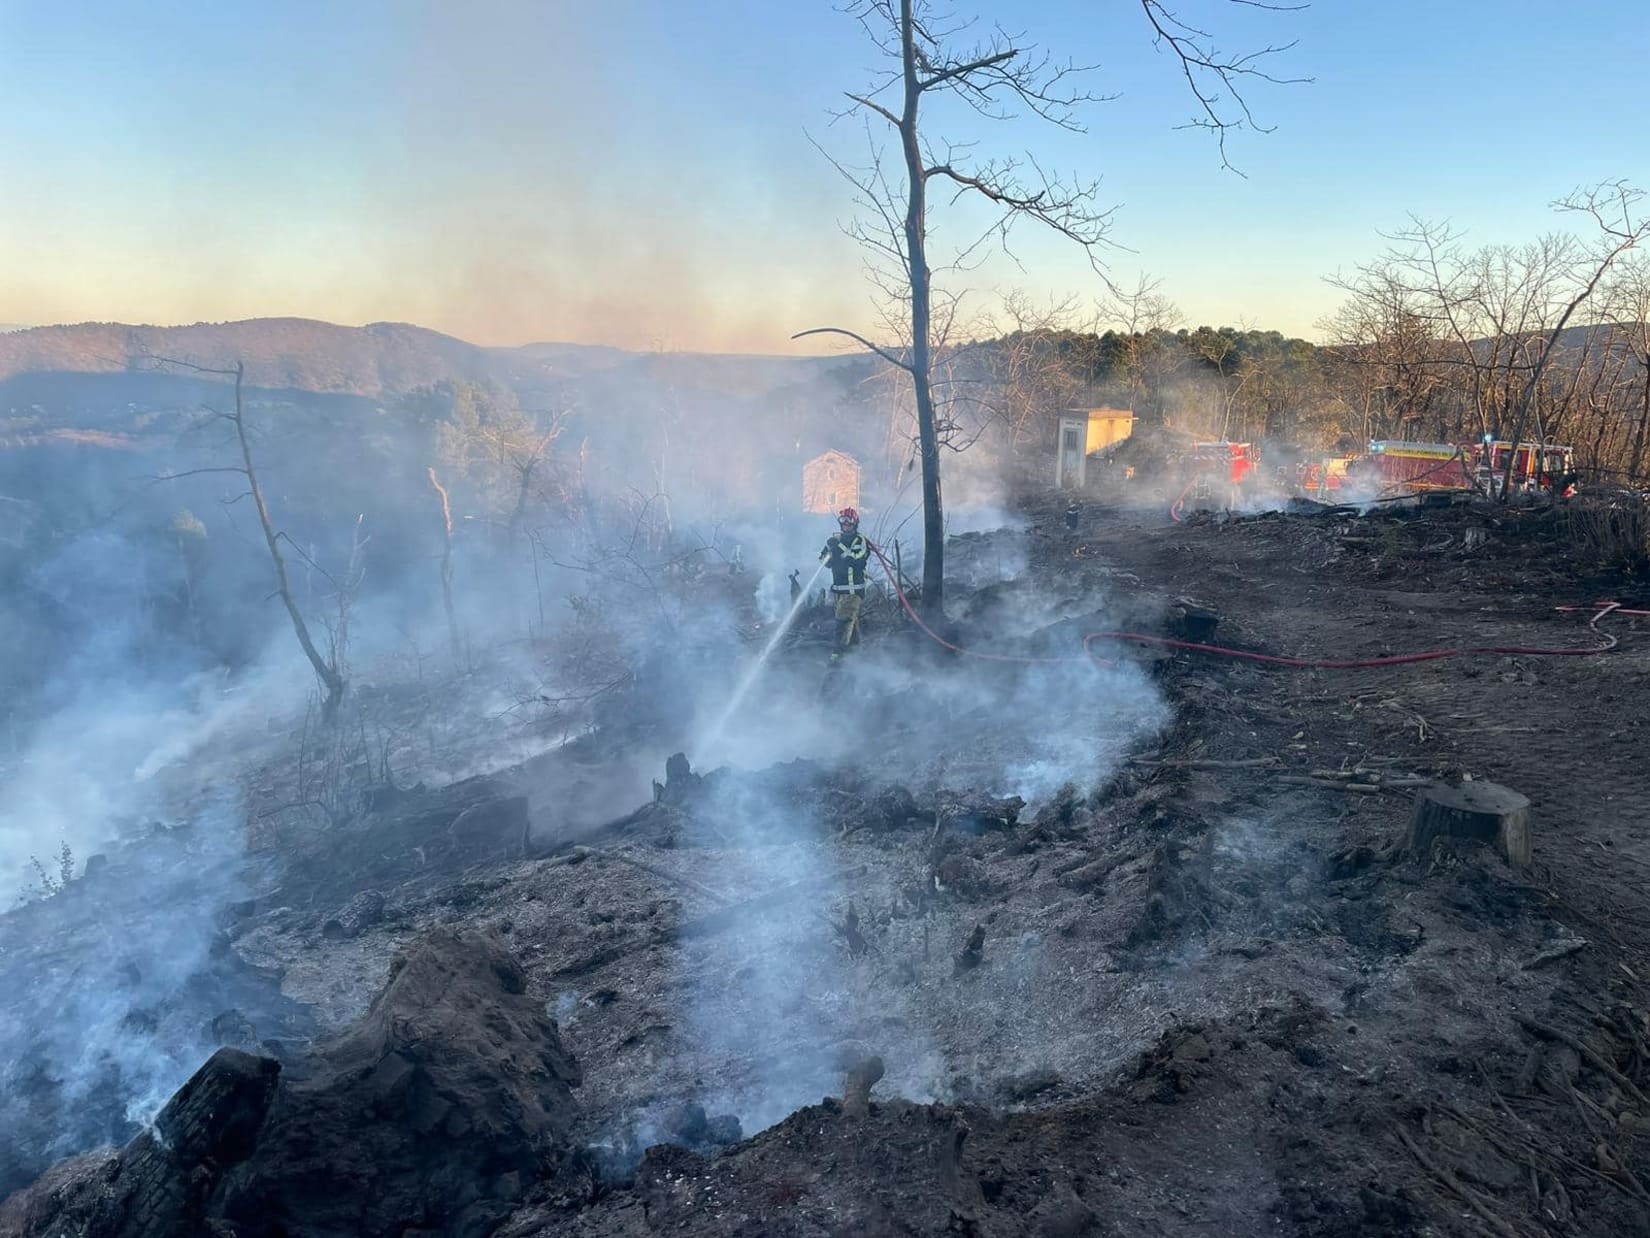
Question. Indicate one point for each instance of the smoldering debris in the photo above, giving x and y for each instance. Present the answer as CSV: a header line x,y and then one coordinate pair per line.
x,y
756,969
447,1101
118,985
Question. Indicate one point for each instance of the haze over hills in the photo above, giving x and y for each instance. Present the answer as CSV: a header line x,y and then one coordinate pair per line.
x,y
377,361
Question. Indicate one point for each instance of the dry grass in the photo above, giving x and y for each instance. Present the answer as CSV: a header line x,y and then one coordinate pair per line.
x,y
1610,530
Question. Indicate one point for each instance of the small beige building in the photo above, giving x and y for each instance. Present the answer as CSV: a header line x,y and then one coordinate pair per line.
x,y
1084,431
829,483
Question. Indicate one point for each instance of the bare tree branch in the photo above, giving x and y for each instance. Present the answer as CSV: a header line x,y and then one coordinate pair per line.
x,y
887,356
1216,78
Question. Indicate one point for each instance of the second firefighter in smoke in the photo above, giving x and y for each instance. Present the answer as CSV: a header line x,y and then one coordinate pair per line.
x,y
847,553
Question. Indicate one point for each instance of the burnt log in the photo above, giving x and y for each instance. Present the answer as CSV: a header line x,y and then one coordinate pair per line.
x,y
976,814
496,827
354,917
1476,812
890,809
216,1115
162,1183
428,1115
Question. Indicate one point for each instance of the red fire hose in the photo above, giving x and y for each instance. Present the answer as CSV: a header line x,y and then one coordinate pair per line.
x,y
1312,664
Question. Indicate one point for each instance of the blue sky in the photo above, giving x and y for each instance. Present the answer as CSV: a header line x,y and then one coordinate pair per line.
x,y
639,172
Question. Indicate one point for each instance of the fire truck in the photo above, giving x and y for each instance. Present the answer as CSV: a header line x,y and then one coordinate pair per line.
x,y
1323,477
1392,466
1535,466
1395,467
1224,462
1214,473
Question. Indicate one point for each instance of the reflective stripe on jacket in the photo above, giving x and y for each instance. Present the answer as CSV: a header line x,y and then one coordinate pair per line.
x,y
848,559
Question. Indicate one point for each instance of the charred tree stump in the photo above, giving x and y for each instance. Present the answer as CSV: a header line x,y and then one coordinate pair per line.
x,y
863,1069
1473,812
680,781
217,1114
973,952
856,1094
1194,620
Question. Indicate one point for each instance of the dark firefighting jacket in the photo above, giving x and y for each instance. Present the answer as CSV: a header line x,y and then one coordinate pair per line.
x,y
848,558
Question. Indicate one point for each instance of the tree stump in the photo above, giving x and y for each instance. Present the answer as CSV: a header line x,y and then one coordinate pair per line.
x,y
863,1070
1195,620
973,952
1473,811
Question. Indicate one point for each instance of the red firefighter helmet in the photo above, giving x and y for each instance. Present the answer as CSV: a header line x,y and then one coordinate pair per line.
x,y
847,516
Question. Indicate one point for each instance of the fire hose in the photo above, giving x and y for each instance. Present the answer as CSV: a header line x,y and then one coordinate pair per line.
x,y
1179,505
1310,664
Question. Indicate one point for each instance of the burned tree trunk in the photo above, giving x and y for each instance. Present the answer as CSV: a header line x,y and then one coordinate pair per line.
x,y
326,669
1474,812
973,952
856,1092
453,638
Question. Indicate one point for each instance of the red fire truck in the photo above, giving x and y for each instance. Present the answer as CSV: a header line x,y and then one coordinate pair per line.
x,y
1233,459
1321,478
1395,467
1224,463
1212,474
1555,470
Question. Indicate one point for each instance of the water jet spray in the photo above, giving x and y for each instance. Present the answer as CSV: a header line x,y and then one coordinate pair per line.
x,y
748,681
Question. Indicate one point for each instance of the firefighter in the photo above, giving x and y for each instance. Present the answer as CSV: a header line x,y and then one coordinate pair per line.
x,y
848,553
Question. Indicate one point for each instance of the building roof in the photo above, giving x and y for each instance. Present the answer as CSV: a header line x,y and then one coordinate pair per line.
x,y
832,457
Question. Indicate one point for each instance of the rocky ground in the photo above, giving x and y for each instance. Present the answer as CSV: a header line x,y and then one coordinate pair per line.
x,y
1048,948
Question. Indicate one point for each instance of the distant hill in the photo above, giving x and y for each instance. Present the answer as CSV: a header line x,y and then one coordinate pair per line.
x,y
379,361
102,396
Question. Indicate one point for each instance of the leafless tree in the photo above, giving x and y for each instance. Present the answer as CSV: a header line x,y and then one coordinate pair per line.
x,y
454,638
1140,316
1612,208
1030,367
1460,337
628,548
1630,315
1403,317
937,57
328,667
502,448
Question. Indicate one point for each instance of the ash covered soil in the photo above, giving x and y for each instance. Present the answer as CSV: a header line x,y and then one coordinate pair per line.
x,y
952,946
